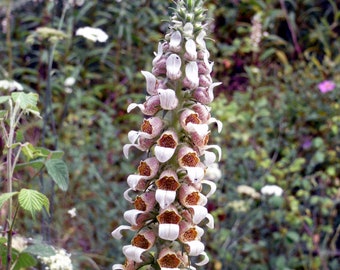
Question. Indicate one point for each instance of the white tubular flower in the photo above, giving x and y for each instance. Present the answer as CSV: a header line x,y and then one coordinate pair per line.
x,y
167,184
133,253
168,228
195,247
175,41
168,99
200,40
173,67
190,50
117,233
151,82
191,79
166,146
93,34
159,54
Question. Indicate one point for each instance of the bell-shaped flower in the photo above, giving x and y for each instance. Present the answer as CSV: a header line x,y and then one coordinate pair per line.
x,y
205,95
148,167
200,140
187,157
199,213
200,40
194,248
150,128
212,186
117,233
142,144
205,80
132,215
190,50
169,260
159,53
218,123
173,67
129,265
188,196
210,157
145,202
151,82
166,146
191,79
150,107
175,41
168,228
136,181
203,112
167,184
142,242
133,253
189,232
168,99
190,122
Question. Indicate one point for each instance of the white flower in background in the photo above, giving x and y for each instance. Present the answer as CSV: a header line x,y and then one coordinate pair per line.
x,y
271,190
213,173
72,212
19,242
11,85
69,81
248,191
60,261
93,34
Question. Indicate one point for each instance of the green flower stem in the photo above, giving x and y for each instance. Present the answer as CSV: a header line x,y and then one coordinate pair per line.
x,y
8,40
13,120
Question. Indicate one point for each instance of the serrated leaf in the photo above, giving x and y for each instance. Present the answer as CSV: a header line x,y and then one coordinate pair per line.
x,y
40,249
5,196
25,100
36,164
31,152
58,170
24,261
33,201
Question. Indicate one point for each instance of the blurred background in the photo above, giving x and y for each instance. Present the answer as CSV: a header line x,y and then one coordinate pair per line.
x,y
279,63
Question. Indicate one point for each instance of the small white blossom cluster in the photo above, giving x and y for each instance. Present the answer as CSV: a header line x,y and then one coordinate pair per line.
x,y
272,190
168,190
10,85
60,261
92,33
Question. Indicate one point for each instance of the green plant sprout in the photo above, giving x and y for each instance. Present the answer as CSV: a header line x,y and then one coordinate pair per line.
x,y
33,201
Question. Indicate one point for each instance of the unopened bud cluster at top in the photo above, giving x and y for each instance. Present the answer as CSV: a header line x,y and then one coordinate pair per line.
x,y
167,190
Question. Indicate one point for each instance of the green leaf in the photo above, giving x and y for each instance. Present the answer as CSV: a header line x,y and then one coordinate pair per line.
x,y
57,169
2,114
5,196
24,261
4,99
40,249
33,201
26,101
35,164
31,152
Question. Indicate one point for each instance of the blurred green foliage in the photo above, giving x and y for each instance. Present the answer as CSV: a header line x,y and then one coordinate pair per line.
x,y
278,127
